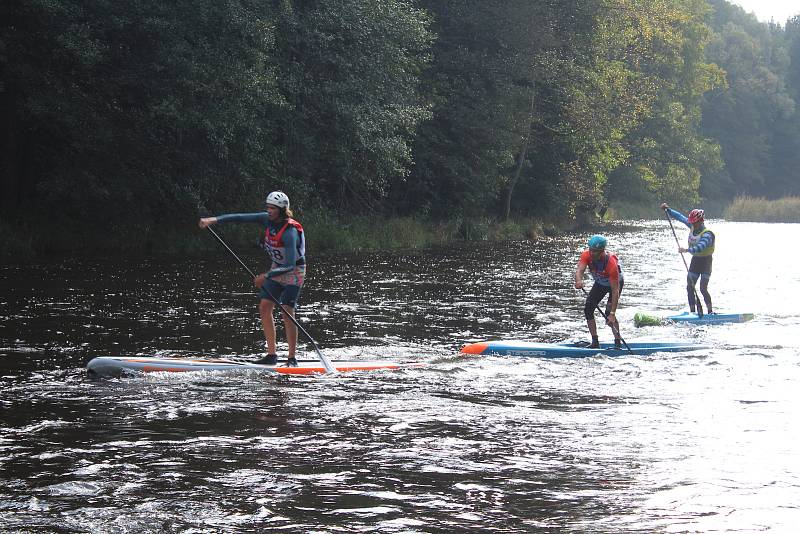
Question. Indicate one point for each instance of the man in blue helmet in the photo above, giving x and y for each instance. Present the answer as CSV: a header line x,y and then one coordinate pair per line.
x,y
608,280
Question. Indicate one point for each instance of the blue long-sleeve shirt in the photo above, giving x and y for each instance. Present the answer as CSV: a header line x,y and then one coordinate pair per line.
x,y
704,242
290,237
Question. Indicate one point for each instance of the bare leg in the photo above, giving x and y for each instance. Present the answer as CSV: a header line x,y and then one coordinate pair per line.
x,y
615,329
291,331
592,327
265,308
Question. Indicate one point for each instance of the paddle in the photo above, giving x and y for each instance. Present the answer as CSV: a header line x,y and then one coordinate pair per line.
x,y
694,289
329,368
615,330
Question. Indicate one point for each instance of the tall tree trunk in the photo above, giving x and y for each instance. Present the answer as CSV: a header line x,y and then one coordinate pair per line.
x,y
523,153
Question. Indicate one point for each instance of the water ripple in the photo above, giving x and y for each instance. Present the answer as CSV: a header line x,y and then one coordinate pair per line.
x,y
692,442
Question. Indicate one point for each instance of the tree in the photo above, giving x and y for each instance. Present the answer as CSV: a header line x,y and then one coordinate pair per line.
x,y
668,155
752,117
127,109
350,73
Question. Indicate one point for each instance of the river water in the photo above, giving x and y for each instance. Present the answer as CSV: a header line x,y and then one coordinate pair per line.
x,y
701,441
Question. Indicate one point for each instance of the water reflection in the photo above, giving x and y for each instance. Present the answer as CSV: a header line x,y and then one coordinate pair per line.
x,y
673,442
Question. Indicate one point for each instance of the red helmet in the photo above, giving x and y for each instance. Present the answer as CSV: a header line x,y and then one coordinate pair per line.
x,y
696,216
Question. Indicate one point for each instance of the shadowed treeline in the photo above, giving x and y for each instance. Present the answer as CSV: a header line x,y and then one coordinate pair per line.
x,y
124,118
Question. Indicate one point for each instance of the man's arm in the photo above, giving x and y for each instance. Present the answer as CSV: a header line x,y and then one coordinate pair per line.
x,y
703,243
579,275
257,217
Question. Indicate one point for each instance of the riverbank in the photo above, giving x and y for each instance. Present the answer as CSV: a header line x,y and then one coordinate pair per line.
x,y
326,233
759,209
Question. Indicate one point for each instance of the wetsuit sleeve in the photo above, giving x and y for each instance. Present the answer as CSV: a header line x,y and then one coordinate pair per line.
x,y
259,217
678,216
703,243
290,237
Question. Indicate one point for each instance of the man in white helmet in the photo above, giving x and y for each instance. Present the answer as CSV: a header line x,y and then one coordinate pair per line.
x,y
285,243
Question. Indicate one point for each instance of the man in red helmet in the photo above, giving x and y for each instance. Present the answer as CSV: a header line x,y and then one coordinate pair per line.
x,y
701,247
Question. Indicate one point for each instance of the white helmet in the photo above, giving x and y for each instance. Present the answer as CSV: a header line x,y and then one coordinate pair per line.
x,y
278,198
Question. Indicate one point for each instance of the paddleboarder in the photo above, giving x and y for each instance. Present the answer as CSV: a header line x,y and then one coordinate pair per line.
x,y
608,280
701,247
284,242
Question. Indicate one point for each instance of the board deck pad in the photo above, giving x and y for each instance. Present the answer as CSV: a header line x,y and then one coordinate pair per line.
x,y
711,318
642,319
572,350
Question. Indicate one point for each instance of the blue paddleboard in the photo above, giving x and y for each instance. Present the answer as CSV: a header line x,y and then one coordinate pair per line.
x,y
710,318
572,350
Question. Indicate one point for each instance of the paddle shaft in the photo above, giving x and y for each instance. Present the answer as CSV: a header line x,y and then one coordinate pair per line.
x,y
694,289
613,328
325,361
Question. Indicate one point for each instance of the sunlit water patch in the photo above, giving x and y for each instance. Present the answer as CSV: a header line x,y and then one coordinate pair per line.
x,y
682,442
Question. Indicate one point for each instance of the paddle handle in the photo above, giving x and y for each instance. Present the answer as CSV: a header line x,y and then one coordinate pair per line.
x,y
329,368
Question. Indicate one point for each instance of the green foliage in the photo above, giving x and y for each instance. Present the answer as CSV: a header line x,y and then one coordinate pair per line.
x,y
621,209
17,243
667,154
759,209
127,109
477,85
457,112
510,230
350,72
473,228
755,117
328,232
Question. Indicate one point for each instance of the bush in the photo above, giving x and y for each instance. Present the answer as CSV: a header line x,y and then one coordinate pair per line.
x,y
17,244
759,209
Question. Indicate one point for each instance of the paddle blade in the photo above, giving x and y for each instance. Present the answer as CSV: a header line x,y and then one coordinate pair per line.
x,y
642,319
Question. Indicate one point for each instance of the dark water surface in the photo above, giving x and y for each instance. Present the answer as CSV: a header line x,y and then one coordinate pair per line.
x,y
693,442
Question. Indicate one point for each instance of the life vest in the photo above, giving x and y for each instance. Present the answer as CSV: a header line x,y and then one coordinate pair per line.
x,y
600,271
694,239
276,249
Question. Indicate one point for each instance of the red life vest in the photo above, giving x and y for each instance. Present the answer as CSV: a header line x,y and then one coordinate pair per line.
x,y
277,250
601,269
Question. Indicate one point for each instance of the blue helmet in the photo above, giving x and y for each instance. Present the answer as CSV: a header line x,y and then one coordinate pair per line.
x,y
597,242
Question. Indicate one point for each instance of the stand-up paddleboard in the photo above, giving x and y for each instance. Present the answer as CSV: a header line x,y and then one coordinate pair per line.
x,y
641,319
114,366
571,350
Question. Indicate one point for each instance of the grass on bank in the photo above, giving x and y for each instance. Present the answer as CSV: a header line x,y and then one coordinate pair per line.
x,y
325,232
759,209
631,210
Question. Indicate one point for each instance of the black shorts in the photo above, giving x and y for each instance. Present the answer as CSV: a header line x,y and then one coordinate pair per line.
x,y
701,264
595,295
